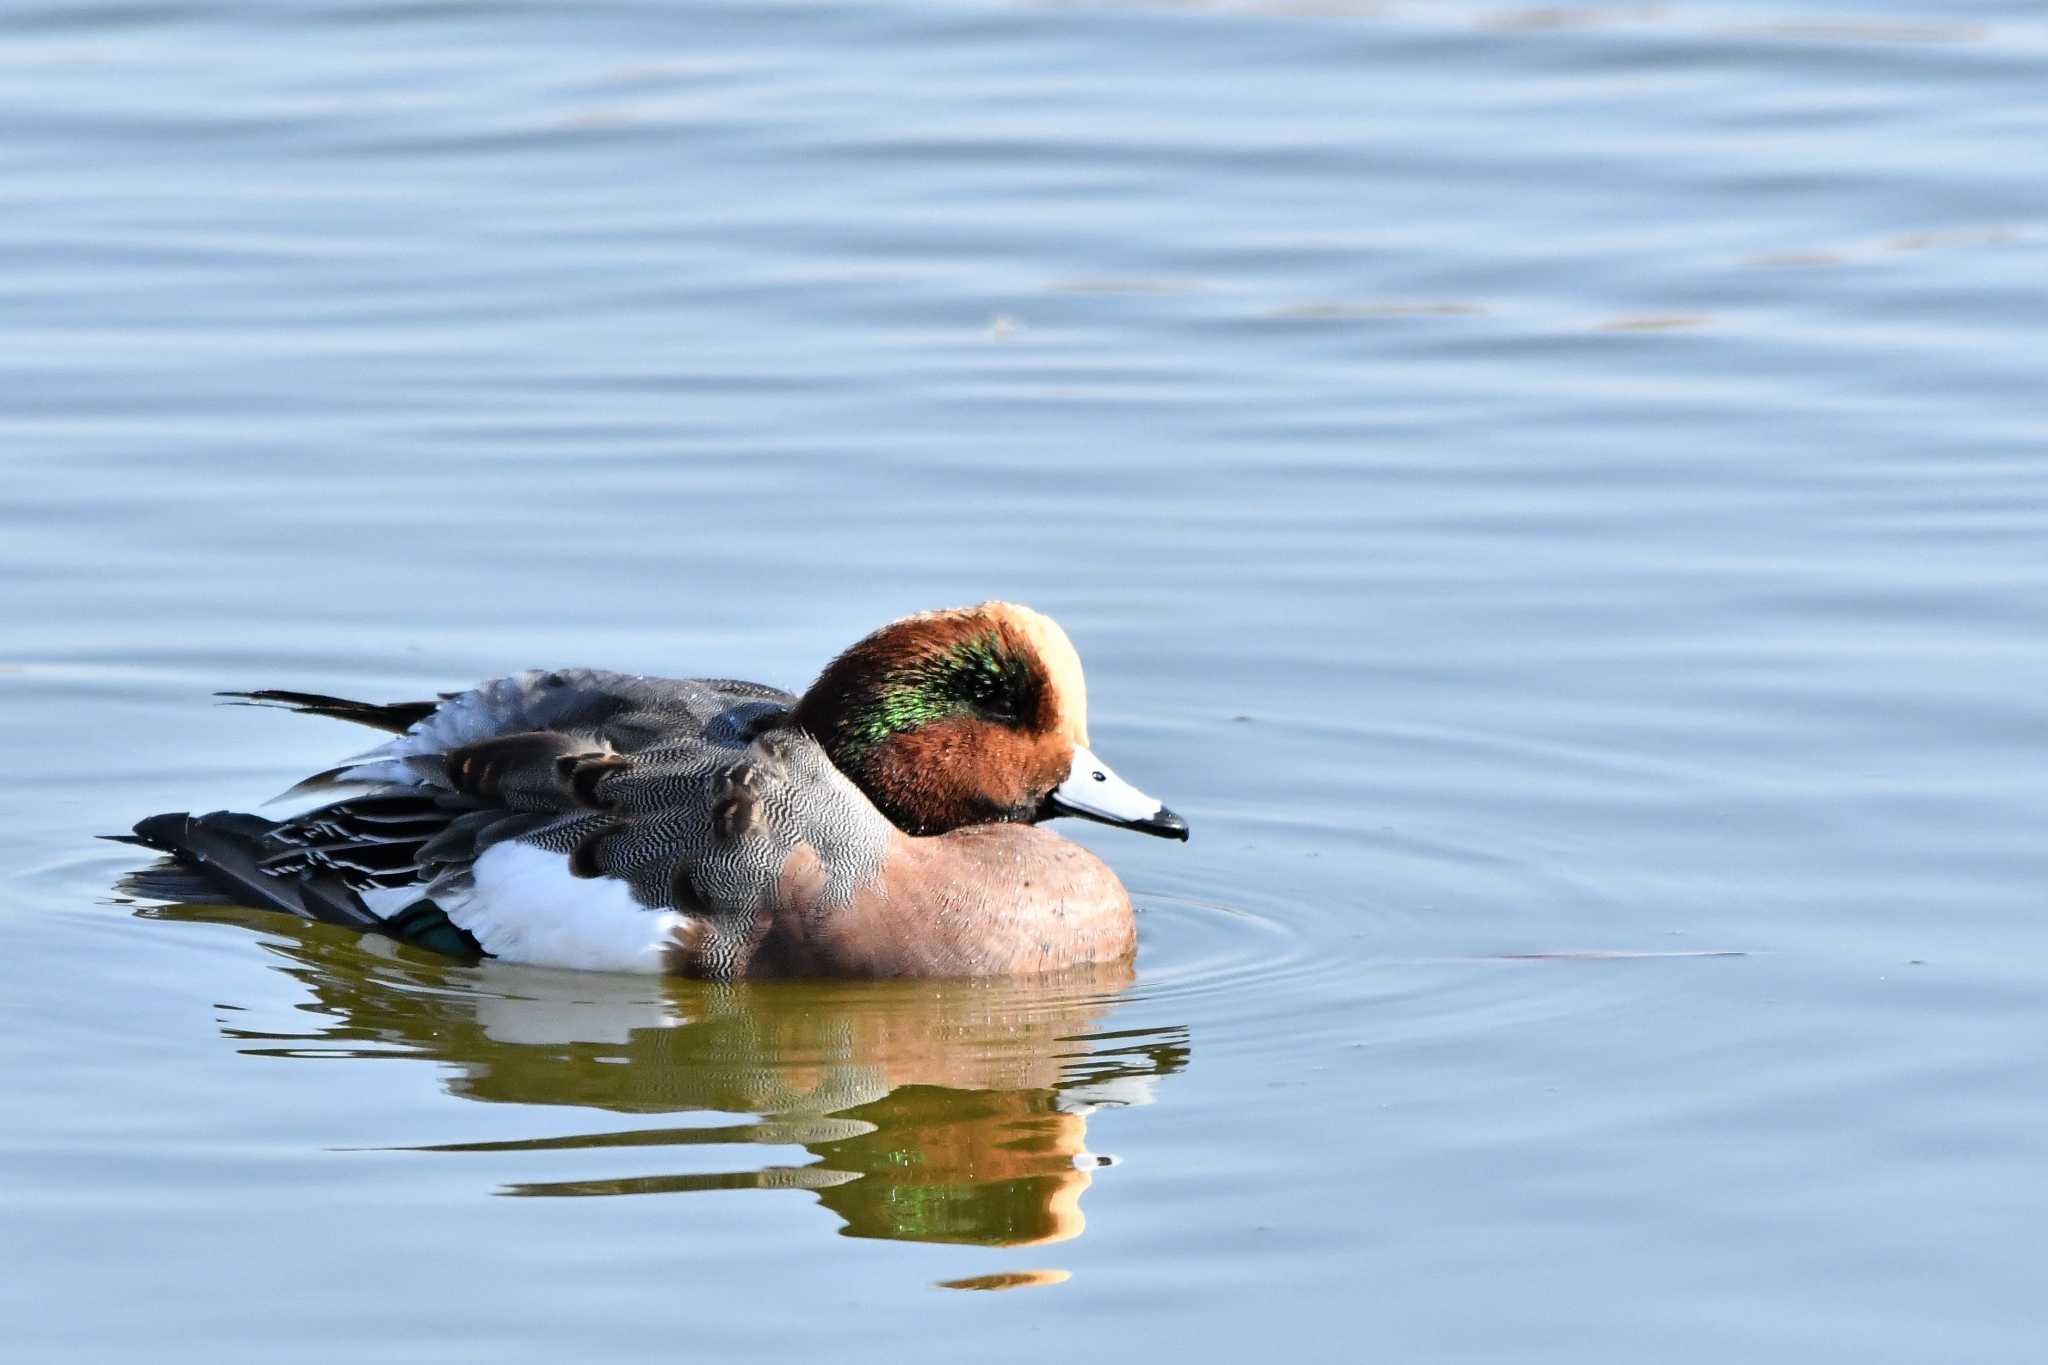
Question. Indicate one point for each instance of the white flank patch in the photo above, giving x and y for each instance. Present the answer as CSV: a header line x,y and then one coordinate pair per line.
x,y
527,907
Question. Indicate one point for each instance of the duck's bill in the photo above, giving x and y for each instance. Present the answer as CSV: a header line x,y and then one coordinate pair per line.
x,y
1094,792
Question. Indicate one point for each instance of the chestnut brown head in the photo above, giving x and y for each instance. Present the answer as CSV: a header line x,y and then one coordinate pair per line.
x,y
976,715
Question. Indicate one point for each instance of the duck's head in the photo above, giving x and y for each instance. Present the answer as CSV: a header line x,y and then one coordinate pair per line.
x,y
971,716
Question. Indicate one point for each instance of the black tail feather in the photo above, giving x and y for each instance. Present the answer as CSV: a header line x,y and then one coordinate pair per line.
x,y
228,847
219,858
396,717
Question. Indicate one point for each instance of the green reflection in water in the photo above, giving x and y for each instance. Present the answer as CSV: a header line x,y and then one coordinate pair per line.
x,y
937,1111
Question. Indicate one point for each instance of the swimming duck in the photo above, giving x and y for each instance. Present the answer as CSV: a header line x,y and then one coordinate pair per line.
x,y
885,823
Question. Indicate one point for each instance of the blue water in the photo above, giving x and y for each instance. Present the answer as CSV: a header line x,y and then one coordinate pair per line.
x,y
1550,494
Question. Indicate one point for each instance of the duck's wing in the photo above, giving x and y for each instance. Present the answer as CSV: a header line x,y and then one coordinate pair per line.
x,y
569,818
623,712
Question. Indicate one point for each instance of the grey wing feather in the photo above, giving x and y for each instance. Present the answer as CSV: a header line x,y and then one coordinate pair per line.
x,y
624,711
691,791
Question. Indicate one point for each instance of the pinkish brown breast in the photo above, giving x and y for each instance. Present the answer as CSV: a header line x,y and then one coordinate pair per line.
x,y
987,900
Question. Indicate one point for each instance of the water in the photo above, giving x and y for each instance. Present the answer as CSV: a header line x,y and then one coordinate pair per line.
x,y
1550,494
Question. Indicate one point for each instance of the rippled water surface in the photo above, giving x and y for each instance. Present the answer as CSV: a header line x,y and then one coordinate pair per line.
x,y
1556,496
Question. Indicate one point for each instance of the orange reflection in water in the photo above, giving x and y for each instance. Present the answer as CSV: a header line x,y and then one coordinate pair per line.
x,y
951,1111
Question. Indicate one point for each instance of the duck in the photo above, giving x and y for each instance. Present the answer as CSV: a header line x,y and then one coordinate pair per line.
x,y
888,822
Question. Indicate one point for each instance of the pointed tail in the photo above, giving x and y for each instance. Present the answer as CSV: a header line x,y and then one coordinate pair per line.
x,y
225,852
396,717
227,848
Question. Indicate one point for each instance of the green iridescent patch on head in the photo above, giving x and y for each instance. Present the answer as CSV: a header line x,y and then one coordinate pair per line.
x,y
901,706
979,676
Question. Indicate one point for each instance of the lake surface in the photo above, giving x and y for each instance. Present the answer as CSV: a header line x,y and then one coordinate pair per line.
x,y
1552,496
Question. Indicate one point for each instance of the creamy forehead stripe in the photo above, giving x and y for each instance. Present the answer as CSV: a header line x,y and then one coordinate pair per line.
x,y
1062,664
1054,650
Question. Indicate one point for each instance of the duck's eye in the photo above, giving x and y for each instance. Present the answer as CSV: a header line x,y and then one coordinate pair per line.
x,y
989,695
1100,776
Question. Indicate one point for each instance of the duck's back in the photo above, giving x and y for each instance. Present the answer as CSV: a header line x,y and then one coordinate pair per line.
x,y
628,711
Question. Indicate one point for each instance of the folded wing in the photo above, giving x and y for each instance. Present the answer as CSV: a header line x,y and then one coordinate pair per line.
x,y
573,817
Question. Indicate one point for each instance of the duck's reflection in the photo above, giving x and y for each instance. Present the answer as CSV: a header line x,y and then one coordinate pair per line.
x,y
953,1111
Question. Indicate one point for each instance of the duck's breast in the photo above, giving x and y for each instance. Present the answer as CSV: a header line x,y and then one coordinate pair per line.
x,y
986,900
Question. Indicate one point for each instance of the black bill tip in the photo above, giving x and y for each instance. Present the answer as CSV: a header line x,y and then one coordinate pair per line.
x,y
1163,823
